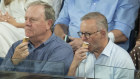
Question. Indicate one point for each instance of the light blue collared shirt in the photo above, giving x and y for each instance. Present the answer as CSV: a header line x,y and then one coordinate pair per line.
x,y
113,63
120,14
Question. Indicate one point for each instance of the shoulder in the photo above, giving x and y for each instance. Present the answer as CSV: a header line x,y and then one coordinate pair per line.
x,y
121,57
119,51
56,43
12,49
14,45
60,43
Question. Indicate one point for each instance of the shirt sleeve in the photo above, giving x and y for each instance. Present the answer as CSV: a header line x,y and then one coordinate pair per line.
x,y
7,64
64,15
63,56
125,16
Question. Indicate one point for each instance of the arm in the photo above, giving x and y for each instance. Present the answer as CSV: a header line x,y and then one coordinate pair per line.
x,y
123,25
119,36
80,55
7,63
60,30
20,53
62,23
9,19
72,69
19,25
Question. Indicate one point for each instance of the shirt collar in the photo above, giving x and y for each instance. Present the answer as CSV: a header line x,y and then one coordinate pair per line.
x,y
44,43
108,48
50,39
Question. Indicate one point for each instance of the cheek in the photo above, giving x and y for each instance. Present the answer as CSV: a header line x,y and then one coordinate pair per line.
x,y
29,32
92,43
38,27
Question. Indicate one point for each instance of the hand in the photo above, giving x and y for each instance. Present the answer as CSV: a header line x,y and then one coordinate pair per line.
x,y
2,18
137,43
20,53
76,43
80,55
7,18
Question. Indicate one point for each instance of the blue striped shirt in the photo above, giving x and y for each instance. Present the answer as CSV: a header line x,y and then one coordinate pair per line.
x,y
52,50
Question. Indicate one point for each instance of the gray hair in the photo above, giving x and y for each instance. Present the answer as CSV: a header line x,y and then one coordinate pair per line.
x,y
49,11
101,20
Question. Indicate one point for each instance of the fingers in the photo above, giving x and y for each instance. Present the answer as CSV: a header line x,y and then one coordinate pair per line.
x,y
22,45
76,43
4,17
72,44
20,53
21,49
24,54
16,59
63,36
81,52
84,57
71,38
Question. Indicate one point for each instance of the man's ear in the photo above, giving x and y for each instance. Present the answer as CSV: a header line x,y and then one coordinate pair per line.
x,y
103,33
49,24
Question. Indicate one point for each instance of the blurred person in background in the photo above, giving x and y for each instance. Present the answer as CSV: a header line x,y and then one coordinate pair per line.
x,y
12,13
135,52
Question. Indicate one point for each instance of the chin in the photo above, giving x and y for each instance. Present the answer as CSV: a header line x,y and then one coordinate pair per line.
x,y
28,35
89,50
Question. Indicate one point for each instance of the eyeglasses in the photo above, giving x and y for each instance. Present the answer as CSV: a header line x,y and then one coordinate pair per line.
x,y
87,35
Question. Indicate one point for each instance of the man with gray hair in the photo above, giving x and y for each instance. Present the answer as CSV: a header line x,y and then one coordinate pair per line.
x,y
101,58
43,45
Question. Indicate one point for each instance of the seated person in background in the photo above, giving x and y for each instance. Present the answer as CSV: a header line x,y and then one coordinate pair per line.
x,y
100,50
135,53
11,23
138,37
115,11
56,4
43,45
12,13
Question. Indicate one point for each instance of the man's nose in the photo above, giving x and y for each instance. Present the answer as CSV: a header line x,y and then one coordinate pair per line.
x,y
83,37
27,22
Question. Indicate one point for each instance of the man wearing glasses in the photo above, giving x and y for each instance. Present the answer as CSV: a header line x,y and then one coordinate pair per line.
x,y
101,58
119,26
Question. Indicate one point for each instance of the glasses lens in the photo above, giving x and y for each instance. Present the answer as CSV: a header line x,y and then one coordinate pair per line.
x,y
87,35
79,34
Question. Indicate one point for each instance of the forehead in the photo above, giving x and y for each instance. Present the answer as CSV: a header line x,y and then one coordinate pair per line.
x,y
88,25
35,10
